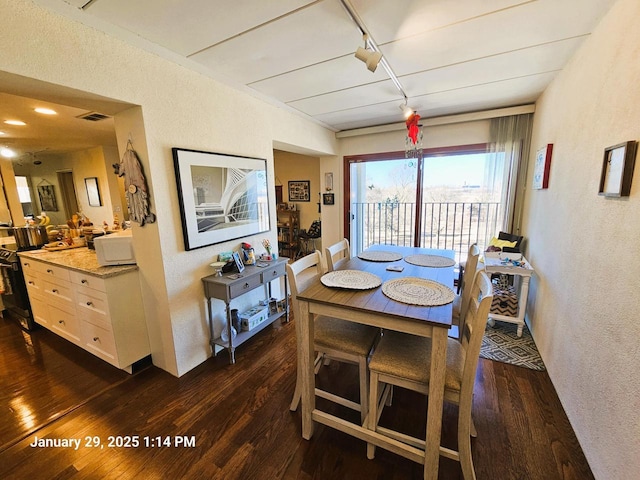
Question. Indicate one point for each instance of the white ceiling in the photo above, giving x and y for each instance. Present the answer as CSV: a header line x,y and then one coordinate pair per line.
x,y
449,56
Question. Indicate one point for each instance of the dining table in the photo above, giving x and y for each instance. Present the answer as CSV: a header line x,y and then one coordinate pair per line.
x,y
373,307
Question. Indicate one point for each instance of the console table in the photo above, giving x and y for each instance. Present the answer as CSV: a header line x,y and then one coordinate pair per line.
x,y
510,264
232,285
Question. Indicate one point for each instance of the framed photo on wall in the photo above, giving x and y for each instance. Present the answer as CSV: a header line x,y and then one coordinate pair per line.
x,y
328,199
299,191
617,169
222,197
93,191
47,197
542,167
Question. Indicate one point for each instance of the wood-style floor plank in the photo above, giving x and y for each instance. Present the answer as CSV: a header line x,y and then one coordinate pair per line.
x,y
239,415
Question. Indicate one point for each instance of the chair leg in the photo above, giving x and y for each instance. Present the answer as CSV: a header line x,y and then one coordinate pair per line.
x,y
297,393
364,388
373,412
464,443
474,432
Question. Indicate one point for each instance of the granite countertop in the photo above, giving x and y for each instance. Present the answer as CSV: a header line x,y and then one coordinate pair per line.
x,y
80,259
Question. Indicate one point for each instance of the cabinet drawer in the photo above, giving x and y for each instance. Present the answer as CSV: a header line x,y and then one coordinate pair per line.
x,y
40,310
94,308
34,284
53,272
244,286
59,294
272,272
31,267
100,342
64,323
85,280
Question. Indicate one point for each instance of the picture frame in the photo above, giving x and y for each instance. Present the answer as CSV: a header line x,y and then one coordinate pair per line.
x,y
617,169
328,199
299,190
328,181
93,191
238,261
542,167
47,197
222,197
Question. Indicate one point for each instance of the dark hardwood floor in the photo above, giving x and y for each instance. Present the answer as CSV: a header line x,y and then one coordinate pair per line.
x,y
239,419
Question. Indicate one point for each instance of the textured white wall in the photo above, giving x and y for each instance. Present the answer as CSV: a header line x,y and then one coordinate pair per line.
x,y
180,108
585,249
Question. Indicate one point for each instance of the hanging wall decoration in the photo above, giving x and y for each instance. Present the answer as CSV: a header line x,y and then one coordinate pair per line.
x,y
135,186
413,142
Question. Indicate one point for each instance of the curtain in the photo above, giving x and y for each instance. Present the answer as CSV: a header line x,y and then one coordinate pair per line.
x,y
506,168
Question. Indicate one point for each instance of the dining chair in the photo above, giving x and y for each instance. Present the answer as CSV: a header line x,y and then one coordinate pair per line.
x,y
461,301
337,253
403,360
337,339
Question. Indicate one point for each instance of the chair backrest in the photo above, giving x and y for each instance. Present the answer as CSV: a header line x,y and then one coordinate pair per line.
x,y
337,253
475,322
301,274
467,279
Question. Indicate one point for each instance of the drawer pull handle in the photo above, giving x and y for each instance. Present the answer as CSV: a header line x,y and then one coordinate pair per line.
x,y
61,322
54,290
274,273
26,264
30,282
49,270
90,304
246,285
95,339
83,281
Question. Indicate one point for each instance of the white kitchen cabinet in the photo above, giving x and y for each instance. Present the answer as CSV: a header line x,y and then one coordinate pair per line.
x,y
101,313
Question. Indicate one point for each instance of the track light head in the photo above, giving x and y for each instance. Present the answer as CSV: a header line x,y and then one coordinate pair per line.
x,y
370,57
406,110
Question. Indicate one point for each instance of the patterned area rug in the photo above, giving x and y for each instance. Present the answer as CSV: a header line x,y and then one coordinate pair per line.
x,y
501,343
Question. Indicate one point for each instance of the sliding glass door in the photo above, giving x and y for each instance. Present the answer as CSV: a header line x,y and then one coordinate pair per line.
x,y
449,200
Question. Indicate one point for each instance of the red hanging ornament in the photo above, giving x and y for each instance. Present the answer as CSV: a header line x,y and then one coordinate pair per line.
x,y
413,129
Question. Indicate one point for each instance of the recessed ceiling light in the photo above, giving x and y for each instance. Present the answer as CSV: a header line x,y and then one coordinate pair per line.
x,y
45,111
7,152
14,122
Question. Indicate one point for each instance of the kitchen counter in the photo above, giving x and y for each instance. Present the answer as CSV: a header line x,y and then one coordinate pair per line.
x,y
80,259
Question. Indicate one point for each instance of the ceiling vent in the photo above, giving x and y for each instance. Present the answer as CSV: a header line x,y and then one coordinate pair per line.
x,y
93,116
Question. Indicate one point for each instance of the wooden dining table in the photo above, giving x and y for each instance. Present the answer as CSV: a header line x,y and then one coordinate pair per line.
x,y
373,307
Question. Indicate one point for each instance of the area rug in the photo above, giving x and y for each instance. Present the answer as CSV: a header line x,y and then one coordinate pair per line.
x,y
501,343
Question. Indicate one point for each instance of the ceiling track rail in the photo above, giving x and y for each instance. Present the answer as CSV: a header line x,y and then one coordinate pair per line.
x,y
370,42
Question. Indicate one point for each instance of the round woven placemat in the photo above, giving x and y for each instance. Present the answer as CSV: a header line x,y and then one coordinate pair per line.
x,y
418,291
436,261
351,279
379,256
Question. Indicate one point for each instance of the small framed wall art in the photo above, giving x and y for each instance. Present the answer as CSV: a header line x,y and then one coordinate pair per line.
x,y
542,167
299,191
617,169
328,199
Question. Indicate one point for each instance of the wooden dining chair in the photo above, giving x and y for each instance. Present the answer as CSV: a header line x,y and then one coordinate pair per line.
x,y
403,360
337,339
337,253
461,302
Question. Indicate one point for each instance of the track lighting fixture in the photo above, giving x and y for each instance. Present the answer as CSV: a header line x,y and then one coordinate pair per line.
x,y
406,110
370,57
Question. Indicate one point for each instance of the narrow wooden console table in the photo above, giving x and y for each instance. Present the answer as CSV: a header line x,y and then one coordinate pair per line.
x,y
233,285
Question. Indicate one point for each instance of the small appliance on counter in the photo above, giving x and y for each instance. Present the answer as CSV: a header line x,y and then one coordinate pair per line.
x,y
115,249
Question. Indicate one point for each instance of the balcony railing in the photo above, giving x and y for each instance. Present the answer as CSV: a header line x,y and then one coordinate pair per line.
x,y
444,225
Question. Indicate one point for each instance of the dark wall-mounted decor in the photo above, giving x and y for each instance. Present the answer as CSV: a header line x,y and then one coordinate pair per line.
x,y
328,199
222,197
93,191
47,197
617,169
299,191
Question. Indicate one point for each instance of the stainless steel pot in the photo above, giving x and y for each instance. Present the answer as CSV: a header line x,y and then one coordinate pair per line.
x,y
30,237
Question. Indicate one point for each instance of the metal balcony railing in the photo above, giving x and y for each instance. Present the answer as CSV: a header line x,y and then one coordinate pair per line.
x,y
444,225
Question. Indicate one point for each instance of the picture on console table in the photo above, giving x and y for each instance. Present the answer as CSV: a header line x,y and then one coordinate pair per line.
x,y
222,197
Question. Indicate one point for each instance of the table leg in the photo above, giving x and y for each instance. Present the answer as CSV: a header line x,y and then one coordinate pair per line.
x,y
305,363
231,348
436,398
522,303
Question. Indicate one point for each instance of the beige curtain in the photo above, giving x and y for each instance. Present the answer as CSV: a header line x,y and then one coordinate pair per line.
x,y
506,168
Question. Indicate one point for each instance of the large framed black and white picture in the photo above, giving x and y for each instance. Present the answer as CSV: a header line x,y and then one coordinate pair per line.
x,y
222,197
